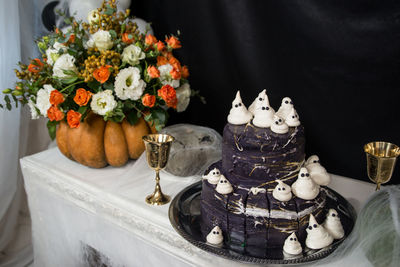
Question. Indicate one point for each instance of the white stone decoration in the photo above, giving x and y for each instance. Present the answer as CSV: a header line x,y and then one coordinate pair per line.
x,y
285,108
282,191
279,126
224,187
317,236
317,171
215,236
333,224
292,245
304,187
213,176
239,114
263,115
292,120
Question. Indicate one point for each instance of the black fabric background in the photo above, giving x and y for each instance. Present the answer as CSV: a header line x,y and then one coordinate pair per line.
x,y
338,61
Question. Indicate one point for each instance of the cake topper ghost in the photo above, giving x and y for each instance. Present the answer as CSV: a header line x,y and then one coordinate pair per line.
x,y
292,120
215,236
333,224
279,126
224,187
285,108
317,236
317,171
263,115
304,187
292,245
239,114
262,96
282,191
213,176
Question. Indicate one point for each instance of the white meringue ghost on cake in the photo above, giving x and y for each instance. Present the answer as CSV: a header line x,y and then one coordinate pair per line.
x,y
239,114
304,187
215,236
282,191
260,98
263,115
213,176
292,245
317,171
224,187
333,224
292,120
286,106
279,126
317,236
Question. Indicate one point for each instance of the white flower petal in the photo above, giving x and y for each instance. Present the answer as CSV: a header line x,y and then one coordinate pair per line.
x,y
128,84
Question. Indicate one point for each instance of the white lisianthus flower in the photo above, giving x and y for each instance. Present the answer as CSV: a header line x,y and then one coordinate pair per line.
x,y
34,113
128,84
43,99
52,53
183,95
165,76
93,16
64,62
103,102
132,54
100,39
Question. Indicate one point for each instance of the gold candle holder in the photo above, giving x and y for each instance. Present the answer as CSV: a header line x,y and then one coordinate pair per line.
x,y
157,153
381,160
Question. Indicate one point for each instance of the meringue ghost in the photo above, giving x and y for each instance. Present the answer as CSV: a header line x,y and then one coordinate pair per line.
x,y
213,176
317,236
263,115
292,245
292,120
279,126
282,191
239,114
304,187
285,107
317,171
333,225
260,98
224,187
215,236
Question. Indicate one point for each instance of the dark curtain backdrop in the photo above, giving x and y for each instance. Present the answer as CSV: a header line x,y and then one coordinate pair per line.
x,y
338,60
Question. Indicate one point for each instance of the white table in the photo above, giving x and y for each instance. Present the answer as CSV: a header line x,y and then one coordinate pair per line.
x,y
73,207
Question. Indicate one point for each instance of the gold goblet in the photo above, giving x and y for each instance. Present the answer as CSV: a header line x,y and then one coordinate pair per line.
x,y
381,159
157,152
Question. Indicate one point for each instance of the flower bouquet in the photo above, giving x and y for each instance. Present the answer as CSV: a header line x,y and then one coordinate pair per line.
x,y
103,74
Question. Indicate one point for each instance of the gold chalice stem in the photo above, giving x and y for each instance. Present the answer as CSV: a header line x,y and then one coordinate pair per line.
x,y
157,198
378,186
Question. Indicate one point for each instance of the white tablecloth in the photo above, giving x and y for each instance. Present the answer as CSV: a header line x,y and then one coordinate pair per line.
x,y
82,215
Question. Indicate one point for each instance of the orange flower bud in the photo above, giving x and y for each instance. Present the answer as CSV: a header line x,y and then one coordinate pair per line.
x,y
161,61
74,118
173,42
175,74
160,46
55,114
35,66
56,98
185,72
150,39
102,74
148,100
168,94
153,72
126,39
175,63
82,97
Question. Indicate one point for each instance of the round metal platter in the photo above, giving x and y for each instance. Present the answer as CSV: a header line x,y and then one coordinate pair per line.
x,y
184,215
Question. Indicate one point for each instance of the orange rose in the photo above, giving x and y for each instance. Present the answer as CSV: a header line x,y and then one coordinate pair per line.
x,y
56,98
82,97
148,100
35,66
126,39
160,46
175,74
153,72
55,114
102,74
173,42
185,72
70,40
168,55
150,39
161,61
175,63
168,94
74,118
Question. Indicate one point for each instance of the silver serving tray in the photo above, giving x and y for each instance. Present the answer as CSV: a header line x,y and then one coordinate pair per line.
x,y
184,215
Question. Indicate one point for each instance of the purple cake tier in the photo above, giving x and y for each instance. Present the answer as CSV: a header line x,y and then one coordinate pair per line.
x,y
255,156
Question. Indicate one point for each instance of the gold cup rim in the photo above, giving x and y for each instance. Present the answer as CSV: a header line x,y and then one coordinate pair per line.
x,y
395,147
153,138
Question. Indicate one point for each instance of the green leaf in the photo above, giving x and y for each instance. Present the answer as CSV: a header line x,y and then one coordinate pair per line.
x,y
94,85
113,34
15,101
68,21
123,27
108,86
7,91
70,73
52,127
1,106
7,99
8,105
83,110
109,11
132,118
69,80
